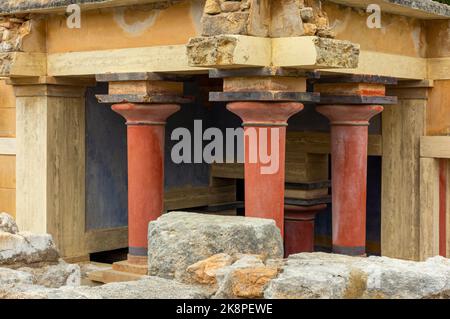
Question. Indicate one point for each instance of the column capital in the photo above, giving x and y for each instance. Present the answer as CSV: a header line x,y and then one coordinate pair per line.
x,y
50,86
350,115
265,113
145,114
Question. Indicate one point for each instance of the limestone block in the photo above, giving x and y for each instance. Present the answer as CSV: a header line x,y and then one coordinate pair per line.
x,y
319,276
7,224
178,240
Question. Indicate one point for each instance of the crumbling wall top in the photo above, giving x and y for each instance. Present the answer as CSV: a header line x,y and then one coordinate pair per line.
x,y
47,6
423,9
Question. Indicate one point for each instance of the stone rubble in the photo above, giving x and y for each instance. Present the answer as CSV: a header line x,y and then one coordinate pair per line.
x,y
178,240
265,18
207,256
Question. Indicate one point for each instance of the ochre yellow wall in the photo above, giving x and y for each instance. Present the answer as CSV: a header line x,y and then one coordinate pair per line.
x,y
131,27
398,35
7,162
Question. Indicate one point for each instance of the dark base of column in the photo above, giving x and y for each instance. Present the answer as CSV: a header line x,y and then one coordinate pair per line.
x,y
350,251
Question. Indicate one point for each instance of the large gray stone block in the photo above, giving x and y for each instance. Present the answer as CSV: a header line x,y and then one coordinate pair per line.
x,y
178,240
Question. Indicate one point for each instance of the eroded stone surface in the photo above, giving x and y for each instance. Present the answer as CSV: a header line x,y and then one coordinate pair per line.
x,y
55,276
7,224
336,54
24,248
178,240
149,288
318,275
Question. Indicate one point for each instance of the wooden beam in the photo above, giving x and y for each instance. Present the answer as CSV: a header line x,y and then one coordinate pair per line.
x,y
148,59
439,68
7,146
106,239
310,52
385,64
23,64
429,208
229,51
435,146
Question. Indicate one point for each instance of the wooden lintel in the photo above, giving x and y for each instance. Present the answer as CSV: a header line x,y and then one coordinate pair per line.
x,y
435,146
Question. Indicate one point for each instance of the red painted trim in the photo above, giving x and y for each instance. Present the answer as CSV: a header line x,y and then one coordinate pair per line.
x,y
442,207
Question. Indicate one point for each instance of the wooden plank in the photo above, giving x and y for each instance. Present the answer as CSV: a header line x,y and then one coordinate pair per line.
x,y
8,201
385,64
190,197
7,171
147,59
438,109
7,146
319,143
311,52
402,127
435,146
439,68
106,239
429,208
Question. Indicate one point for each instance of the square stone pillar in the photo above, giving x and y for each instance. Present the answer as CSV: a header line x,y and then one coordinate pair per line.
x,y
50,167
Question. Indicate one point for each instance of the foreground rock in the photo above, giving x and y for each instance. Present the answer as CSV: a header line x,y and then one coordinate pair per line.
x,y
7,224
149,288
178,240
18,249
321,275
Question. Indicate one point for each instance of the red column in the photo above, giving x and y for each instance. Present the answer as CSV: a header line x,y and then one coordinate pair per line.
x,y
264,191
349,134
145,130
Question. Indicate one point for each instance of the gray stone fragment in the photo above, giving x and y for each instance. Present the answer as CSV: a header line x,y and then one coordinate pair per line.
x,y
178,240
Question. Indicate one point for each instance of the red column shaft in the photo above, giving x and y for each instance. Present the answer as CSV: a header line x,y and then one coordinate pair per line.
x,y
264,193
349,139
145,135
264,181
349,184
145,182
443,207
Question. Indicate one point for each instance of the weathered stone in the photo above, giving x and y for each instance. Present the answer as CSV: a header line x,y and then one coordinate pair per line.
x,y
246,278
13,277
225,23
307,14
7,224
178,240
286,21
319,275
24,248
310,29
211,51
148,288
55,276
336,54
212,7
230,6
204,271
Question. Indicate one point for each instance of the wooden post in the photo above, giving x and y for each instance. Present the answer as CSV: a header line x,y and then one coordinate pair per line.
x,y
402,126
51,160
